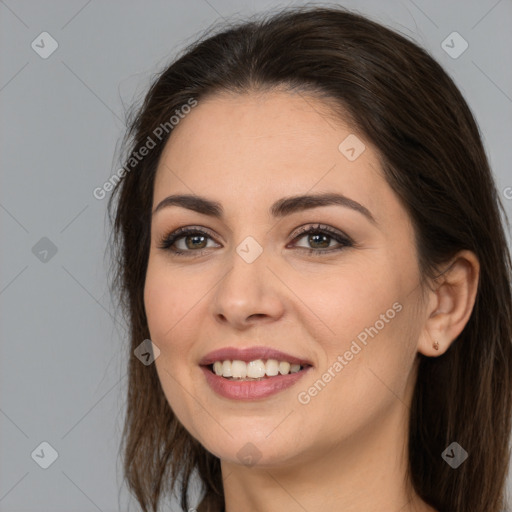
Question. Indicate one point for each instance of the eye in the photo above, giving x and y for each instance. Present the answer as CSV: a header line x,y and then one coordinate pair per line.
x,y
321,237
195,240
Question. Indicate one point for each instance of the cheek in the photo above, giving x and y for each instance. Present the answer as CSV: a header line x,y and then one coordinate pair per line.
x,y
166,307
348,300
368,321
166,301
159,304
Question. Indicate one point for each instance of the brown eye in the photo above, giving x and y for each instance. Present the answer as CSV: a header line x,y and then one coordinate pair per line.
x,y
195,241
320,237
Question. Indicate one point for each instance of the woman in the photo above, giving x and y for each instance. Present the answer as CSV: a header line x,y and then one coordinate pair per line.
x,y
308,232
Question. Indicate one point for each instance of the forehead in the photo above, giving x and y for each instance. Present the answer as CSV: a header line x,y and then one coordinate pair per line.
x,y
255,148
256,128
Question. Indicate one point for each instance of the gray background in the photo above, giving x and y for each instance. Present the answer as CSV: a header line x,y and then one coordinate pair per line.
x,y
63,351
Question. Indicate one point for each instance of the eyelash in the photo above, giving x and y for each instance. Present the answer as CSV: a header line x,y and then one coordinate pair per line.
x,y
167,241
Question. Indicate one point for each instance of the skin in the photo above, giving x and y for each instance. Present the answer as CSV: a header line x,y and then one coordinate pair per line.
x,y
347,448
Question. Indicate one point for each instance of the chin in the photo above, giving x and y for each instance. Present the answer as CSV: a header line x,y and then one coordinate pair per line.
x,y
248,450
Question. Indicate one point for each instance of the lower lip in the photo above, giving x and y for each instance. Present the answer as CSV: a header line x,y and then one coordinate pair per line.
x,y
251,389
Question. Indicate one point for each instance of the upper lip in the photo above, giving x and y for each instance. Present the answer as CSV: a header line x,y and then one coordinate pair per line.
x,y
250,354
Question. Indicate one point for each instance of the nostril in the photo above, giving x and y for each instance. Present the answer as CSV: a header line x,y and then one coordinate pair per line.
x,y
257,315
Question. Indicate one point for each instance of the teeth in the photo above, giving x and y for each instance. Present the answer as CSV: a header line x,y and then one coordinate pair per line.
x,y
217,367
238,370
272,367
256,369
284,368
226,369
294,368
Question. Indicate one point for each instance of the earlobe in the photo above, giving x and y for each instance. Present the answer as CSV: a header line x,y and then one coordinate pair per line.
x,y
451,302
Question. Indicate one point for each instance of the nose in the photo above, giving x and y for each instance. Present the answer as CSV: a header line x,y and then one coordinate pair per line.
x,y
248,293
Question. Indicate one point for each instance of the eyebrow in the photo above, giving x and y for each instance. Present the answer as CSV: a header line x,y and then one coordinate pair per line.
x,y
282,207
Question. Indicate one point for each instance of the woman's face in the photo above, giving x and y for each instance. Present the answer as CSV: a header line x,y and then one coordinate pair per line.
x,y
350,312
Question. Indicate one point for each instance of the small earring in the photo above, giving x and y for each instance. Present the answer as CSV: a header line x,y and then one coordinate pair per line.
x,y
436,345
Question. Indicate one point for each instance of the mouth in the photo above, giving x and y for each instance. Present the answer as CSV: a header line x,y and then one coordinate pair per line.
x,y
254,379
251,373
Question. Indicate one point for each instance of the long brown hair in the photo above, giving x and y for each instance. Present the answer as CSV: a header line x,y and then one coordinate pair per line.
x,y
432,156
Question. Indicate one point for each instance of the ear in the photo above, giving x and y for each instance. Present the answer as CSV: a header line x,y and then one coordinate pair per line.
x,y
449,304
